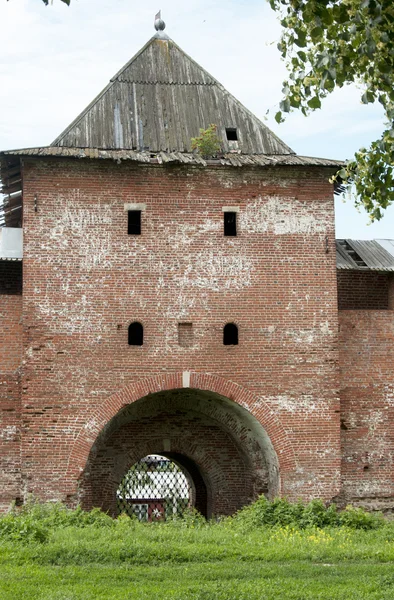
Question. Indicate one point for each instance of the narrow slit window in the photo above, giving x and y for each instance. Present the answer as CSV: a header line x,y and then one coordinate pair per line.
x,y
230,335
185,335
230,224
136,334
134,222
231,134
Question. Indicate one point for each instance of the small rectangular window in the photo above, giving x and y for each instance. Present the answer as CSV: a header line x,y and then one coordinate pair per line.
x,y
134,222
185,334
230,224
231,134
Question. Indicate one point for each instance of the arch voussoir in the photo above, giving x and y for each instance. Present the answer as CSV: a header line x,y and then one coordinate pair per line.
x,y
201,381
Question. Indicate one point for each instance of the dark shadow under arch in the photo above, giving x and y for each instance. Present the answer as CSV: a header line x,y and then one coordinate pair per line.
x,y
225,450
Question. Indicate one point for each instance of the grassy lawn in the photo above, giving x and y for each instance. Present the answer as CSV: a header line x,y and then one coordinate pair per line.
x,y
232,560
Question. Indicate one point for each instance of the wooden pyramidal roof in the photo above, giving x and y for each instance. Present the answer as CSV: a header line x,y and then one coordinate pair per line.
x,y
158,101
148,113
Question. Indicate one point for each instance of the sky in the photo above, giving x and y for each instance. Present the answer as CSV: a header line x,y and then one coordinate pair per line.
x,y
55,59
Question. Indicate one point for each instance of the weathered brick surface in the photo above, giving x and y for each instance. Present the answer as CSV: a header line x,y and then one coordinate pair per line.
x,y
367,407
10,362
391,292
368,290
85,280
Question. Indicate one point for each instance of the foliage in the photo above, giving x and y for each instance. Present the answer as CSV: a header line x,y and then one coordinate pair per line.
x,y
207,143
188,518
85,559
281,512
330,43
357,518
34,521
25,528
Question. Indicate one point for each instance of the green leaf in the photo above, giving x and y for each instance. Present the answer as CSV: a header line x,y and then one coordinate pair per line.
x,y
384,67
332,72
345,41
322,60
285,105
308,17
278,117
345,35
329,85
341,14
300,41
367,97
316,34
314,102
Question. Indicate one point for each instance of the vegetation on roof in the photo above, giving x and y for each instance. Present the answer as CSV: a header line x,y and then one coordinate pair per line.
x,y
207,143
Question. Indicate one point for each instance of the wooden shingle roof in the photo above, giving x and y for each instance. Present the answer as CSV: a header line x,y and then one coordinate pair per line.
x,y
158,101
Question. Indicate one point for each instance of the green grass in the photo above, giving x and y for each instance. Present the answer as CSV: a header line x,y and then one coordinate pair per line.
x,y
91,557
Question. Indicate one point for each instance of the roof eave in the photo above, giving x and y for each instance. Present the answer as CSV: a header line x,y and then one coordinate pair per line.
x,y
227,159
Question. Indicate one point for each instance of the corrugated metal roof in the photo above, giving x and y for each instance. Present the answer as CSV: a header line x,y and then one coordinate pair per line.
x,y
387,245
365,255
11,203
228,159
158,101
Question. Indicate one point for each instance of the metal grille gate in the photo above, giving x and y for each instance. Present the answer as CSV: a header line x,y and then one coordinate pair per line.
x,y
154,489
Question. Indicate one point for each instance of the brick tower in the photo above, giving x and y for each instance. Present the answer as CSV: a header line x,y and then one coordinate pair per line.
x,y
173,304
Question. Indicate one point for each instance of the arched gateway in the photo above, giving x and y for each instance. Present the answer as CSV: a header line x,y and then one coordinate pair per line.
x,y
228,444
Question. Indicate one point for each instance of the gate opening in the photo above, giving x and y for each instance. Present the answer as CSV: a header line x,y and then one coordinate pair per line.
x,y
200,450
155,489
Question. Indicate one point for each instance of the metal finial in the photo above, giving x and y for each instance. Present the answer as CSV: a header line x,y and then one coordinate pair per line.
x,y
159,23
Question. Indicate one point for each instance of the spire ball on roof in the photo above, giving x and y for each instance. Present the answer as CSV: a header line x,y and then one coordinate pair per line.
x,y
159,23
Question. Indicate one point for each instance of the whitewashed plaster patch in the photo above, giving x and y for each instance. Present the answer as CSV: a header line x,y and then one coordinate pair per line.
x,y
307,404
281,216
8,433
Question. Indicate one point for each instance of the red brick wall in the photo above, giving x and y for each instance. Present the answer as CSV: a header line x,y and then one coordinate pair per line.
x,y
358,290
367,407
10,362
391,293
85,280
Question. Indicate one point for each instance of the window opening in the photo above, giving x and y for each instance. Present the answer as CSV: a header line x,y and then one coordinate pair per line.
x,y
154,489
230,224
134,222
136,334
185,334
230,335
231,134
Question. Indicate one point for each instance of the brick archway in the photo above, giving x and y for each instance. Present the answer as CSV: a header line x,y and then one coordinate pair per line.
x,y
99,418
